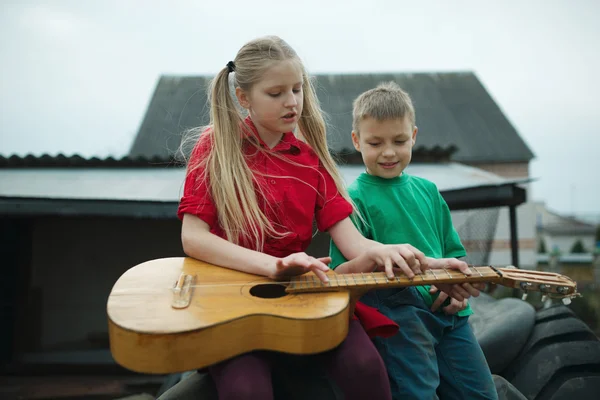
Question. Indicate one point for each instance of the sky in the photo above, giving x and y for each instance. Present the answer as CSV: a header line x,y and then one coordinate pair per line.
x,y
77,77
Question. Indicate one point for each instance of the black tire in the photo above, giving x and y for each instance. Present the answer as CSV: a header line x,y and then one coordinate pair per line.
x,y
560,360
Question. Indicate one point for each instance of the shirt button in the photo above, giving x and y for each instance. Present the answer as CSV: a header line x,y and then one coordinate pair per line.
x,y
272,181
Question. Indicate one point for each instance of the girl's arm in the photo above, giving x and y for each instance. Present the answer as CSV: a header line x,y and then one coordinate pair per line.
x,y
199,243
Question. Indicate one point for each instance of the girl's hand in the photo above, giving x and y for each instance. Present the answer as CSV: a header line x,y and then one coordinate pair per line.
x,y
301,263
394,257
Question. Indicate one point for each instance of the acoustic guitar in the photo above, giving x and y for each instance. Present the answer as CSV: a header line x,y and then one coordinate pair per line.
x,y
179,314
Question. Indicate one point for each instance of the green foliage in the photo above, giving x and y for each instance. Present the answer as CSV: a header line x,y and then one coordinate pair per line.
x,y
578,247
542,247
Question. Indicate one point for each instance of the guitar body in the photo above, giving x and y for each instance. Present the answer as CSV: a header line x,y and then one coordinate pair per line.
x,y
228,313
180,314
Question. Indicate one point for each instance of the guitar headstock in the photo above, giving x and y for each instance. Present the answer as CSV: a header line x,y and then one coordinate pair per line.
x,y
548,283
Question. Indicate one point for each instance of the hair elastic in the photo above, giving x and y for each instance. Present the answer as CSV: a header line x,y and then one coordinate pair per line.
x,y
230,66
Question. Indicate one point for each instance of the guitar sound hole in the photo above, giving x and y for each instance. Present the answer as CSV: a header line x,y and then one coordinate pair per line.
x,y
269,291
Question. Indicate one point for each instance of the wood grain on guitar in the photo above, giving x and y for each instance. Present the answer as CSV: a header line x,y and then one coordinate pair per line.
x,y
179,314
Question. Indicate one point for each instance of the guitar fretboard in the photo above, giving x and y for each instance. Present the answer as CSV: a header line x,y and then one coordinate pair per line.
x,y
379,280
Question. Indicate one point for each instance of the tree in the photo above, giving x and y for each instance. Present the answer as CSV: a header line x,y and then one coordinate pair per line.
x,y
578,247
542,247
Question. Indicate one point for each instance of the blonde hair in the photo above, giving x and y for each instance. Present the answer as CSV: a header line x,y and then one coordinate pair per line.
x,y
387,101
230,180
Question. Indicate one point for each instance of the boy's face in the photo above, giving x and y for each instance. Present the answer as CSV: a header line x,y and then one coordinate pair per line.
x,y
386,146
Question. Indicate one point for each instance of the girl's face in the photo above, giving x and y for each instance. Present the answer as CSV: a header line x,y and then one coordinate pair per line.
x,y
275,101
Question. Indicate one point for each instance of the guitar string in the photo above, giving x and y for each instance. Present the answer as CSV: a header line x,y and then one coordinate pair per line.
x,y
365,278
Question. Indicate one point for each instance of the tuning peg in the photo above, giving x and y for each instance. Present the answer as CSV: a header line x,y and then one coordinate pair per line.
x,y
524,287
562,289
566,301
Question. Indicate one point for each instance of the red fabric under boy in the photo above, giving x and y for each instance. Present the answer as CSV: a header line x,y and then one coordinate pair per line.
x,y
374,322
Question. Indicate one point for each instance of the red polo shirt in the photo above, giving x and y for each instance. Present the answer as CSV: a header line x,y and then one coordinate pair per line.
x,y
294,193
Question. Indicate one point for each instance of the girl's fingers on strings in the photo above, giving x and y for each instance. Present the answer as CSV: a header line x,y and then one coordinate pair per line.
x,y
404,267
408,253
420,256
325,260
316,262
398,260
389,268
321,275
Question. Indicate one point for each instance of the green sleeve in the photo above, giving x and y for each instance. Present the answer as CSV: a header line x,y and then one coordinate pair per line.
x,y
453,247
336,255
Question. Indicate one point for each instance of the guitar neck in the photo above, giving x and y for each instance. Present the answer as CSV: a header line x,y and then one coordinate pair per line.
x,y
362,282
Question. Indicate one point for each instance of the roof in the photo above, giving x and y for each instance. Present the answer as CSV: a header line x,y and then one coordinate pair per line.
x,y
553,223
156,191
569,228
77,161
453,109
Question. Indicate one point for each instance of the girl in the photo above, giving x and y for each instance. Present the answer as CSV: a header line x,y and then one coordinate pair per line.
x,y
251,193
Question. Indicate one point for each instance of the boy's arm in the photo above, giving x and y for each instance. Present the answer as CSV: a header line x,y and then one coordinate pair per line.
x,y
453,247
453,250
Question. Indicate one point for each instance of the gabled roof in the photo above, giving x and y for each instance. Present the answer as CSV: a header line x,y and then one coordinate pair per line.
x,y
453,109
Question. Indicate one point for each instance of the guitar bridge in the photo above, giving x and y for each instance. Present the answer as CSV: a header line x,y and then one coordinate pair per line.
x,y
182,291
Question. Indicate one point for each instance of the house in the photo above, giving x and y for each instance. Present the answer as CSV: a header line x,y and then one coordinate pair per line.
x,y
567,245
562,233
72,226
457,119
454,110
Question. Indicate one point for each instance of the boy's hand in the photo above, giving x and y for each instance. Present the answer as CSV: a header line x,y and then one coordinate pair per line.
x,y
404,257
452,308
301,263
461,291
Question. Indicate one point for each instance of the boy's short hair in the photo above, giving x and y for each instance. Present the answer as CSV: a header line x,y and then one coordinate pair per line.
x,y
387,101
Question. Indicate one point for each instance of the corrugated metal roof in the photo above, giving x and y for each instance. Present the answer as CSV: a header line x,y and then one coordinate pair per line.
x,y
166,184
76,161
420,154
452,109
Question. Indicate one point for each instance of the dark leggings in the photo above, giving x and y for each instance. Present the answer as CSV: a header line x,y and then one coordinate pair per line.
x,y
355,366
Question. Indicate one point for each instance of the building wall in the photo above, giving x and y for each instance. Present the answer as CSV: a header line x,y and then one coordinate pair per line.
x,y
75,263
564,243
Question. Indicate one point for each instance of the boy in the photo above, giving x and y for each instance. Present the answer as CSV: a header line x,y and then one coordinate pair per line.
x,y
433,350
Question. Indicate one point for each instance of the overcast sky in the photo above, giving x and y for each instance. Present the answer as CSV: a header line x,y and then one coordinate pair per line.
x,y
77,76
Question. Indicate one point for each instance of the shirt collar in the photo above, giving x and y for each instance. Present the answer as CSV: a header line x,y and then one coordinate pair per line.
x,y
288,143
